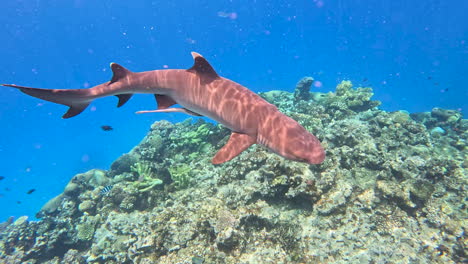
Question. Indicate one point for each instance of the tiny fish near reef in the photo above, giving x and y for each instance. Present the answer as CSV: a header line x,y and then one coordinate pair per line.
x,y
201,92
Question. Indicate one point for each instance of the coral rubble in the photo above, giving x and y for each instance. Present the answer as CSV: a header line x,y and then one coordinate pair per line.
x,y
392,189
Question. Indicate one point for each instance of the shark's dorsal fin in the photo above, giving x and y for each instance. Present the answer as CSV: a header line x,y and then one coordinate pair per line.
x,y
203,68
119,72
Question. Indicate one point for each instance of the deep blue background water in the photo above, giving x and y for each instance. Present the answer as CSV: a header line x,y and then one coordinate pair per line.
x,y
413,53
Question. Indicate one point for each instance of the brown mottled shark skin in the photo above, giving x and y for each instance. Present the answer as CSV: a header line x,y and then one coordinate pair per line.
x,y
201,91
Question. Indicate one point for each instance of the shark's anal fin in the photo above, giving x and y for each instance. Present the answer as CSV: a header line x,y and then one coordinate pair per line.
x,y
123,98
203,69
170,110
235,145
164,101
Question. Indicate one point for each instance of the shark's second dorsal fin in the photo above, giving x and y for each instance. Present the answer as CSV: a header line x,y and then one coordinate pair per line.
x,y
203,68
119,72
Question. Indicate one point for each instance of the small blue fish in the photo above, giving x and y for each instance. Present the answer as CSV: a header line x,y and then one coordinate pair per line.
x,y
105,191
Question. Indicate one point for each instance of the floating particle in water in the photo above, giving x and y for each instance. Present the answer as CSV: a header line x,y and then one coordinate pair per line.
x,y
230,15
107,128
85,158
190,41
319,3
318,84
30,191
18,202
2,177
233,15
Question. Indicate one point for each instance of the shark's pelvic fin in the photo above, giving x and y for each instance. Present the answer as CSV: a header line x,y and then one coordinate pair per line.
x,y
164,101
203,68
119,72
170,110
235,145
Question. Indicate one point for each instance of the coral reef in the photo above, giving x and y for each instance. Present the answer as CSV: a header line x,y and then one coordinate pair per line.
x,y
392,189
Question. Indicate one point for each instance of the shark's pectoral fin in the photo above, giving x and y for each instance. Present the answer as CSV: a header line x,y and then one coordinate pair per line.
x,y
123,98
170,110
235,145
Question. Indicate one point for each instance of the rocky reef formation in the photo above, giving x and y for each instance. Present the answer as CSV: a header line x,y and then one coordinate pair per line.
x,y
391,190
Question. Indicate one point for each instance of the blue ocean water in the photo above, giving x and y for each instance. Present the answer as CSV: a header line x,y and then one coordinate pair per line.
x,y
414,54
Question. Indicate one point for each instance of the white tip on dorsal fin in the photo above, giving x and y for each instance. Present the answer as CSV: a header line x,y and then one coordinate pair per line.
x,y
196,54
119,72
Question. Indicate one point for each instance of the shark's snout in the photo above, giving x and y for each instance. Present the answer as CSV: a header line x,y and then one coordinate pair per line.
x,y
291,140
305,149
316,155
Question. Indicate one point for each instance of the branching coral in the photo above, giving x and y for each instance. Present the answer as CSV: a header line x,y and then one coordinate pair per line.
x,y
146,178
180,175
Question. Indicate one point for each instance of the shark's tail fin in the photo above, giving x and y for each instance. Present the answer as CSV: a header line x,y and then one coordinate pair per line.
x,y
79,99
74,98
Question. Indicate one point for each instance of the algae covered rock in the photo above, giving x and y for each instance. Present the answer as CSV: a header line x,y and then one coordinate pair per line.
x,y
302,91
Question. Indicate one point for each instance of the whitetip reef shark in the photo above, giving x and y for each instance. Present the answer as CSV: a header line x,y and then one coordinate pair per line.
x,y
200,91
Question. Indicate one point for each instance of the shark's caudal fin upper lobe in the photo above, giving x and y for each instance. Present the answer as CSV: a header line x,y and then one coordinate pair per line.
x,y
76,99
60,96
